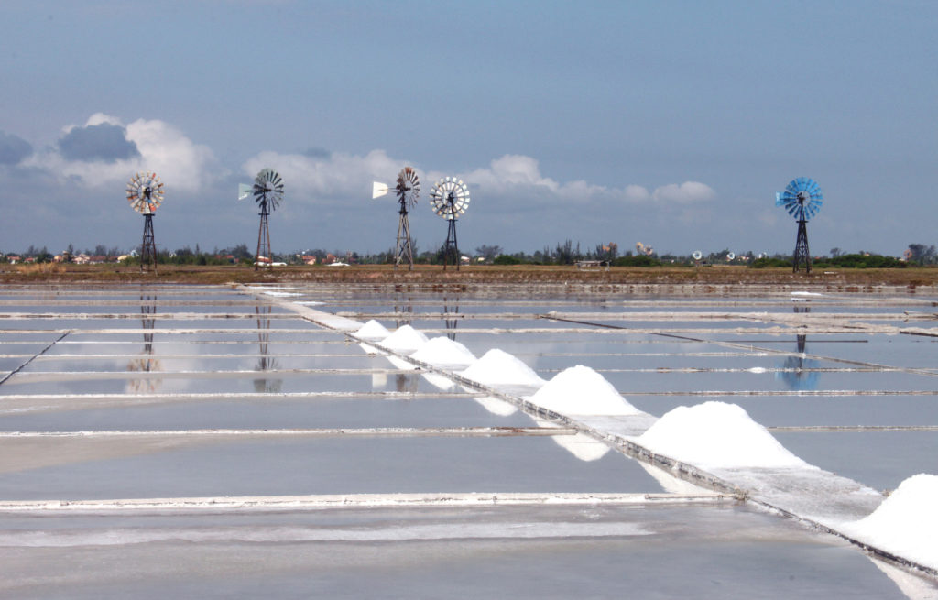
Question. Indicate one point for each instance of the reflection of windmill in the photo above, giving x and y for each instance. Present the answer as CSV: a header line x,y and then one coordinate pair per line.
x,y
407,382
145,193
145,363
402,304
268,193
264,361
408,190
802,199
449,198
796,371
451,323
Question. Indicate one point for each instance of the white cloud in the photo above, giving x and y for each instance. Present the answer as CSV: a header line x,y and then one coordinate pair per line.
x,y
181,164
337,175
347,176
689,191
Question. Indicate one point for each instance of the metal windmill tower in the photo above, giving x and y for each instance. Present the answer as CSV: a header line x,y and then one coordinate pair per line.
x,y
145,194
408,190
449,198
802,199
268,193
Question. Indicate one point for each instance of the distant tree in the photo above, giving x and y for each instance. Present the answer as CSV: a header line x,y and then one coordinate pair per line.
x,y
565,254
489,252
240,252
835,252
100,250
506,259
922,254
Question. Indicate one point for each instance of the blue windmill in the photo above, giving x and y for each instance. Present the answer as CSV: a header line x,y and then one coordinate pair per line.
x,y
802,199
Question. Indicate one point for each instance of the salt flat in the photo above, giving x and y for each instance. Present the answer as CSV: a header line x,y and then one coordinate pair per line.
x,y
173,359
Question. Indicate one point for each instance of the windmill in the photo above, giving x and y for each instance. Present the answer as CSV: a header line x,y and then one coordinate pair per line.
x,y
802,199
408,190
268,193
145,193
449,198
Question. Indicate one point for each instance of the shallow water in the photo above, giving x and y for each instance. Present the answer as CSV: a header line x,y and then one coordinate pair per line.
x,y
275,371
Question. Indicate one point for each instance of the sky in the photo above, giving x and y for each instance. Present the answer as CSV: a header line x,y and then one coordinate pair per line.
x,y
671,123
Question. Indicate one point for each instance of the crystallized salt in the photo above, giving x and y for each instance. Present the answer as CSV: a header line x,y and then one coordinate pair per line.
x,y
905,522
497,367
580,390
442,351
372,330
716,435
405,340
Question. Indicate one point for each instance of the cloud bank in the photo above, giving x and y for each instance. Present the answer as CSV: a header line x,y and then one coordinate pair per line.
x,y
321,175
104,151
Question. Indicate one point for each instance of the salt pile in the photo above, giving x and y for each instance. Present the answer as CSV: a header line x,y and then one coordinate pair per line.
x,y
717,435
373,331
580,390
905,522
497,367
405,340
442,351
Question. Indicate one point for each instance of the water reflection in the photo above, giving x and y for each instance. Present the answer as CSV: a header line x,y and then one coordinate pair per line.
x,y
145,363
403,304
796,371
264,360
450,306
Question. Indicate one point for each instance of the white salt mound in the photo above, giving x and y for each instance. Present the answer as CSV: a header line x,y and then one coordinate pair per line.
x,y
442,351
580,390
497,367
372,330
717,435
905,522
405,340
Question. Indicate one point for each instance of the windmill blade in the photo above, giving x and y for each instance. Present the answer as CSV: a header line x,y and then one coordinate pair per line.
x,y
378,189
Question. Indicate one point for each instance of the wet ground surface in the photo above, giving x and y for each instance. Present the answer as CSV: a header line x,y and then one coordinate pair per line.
x,y
171,366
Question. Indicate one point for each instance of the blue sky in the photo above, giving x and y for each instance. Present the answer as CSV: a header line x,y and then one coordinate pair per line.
x,y
669,123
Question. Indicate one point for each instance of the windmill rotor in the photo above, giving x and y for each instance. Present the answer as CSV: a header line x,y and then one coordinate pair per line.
x,y
802,198
449,198
145,192
408,187
268,189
